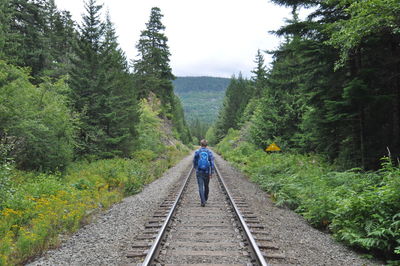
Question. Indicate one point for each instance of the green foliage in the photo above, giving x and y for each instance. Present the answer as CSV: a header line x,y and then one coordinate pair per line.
x,y
278,113
195,141
260,77
149,127
237,96
6,167
152,70
4,26
198,129
102,89
41,206
306,103
36,119
179,122
211,137
38,36
366,18
369,218
359,208
153,74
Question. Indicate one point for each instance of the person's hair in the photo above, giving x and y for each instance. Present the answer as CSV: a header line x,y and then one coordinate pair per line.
x,y
203,143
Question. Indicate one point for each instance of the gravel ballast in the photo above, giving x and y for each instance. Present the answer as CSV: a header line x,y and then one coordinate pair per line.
x,y
107,240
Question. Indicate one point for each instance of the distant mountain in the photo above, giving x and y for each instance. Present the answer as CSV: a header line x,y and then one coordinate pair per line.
x,y
201,97
184,84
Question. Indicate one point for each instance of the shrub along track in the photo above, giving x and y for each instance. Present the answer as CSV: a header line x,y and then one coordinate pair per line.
x,y
226,231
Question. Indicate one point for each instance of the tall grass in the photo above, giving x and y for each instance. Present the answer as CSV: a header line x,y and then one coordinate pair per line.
x,y
36,208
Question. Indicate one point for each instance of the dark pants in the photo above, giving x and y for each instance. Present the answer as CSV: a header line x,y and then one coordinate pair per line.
x,y
203,180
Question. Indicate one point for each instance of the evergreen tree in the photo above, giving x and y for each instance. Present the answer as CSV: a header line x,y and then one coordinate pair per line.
x,y
38,36
236,99
119,115
4,25
103,90
260,75
368,41
279,112
153,74
25,43
198,128
259,88
340,71
152,70
60,37
86,83
179,122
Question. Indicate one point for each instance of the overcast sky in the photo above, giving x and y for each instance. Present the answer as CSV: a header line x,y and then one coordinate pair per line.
x,y
206,38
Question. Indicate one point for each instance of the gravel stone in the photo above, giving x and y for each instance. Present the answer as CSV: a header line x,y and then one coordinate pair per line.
x,y
107,240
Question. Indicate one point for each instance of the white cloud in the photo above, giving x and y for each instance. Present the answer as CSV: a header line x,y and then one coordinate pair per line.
x,y
208,37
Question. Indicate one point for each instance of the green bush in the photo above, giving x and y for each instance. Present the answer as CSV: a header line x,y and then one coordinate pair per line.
x,y
370,216
359,208
149,128
6,167
36,119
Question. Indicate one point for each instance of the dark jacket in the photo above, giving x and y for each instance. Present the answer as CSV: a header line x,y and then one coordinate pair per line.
x,y
210,159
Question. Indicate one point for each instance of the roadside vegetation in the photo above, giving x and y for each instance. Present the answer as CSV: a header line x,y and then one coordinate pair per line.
x,y
361,209
78,129
81,127
37,207
330,100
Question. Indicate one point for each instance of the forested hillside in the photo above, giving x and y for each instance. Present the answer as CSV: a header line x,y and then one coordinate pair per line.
x,y
79,126
201,99
185,84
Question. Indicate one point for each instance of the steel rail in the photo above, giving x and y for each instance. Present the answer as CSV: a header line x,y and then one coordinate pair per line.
x,y
253,245
154,248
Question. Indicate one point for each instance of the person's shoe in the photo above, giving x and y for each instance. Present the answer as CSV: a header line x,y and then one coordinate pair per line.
x,y
203,204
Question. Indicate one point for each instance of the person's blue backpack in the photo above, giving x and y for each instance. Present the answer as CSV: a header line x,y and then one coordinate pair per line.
x,y
203,163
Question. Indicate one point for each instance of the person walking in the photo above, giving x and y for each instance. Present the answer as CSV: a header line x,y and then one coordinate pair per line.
x,y
203,162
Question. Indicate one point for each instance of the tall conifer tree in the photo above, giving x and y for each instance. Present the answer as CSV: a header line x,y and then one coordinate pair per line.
x,y
36,35
86,80
4,25
152,70
260,75
119,97
103,92
153,73
237,97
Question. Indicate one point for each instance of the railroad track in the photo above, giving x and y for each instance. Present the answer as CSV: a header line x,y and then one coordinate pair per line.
x,y
225,232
